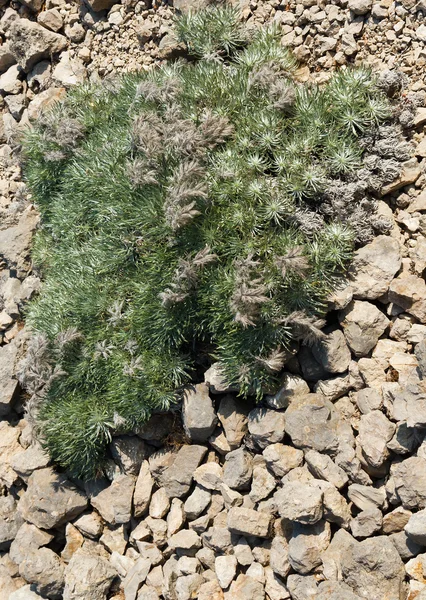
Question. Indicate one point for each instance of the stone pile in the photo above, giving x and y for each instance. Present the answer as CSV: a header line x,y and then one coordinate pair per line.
x,y
320,491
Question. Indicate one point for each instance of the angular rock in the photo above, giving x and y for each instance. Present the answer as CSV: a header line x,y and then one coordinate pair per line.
x,y
366,523
88,577
375,431
363,324
360,7
279,556
312,422
374,266
24,593
323,467
186,541
246,588
406,547
409,292
416,527
90,524
291,386
69,71
10,521
396,520
6,58
33,458
197,502
266,426
233,415
51,499
177,478
9,450
302,587
199,418
176,517
335,590
281,459
226,568
143,490
307,544
98,5
51,19
409,478
416,568
209,475
74,541
28,539
300,502
128,452
366,497
15,241
246,521
333,352
160,504
263,483
45,570
238,469
30,42
114,503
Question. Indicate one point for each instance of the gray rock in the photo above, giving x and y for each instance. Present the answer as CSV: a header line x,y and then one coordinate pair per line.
x,y
335,508
281,459
405,439
300,502
188,585
90,524
199,418
335,590
88,577
186,541
363,324
177,477
263,483
238,469
51,499
160,504
406,547
279,561
10,521
98,5
332,556
246,588
374,265
209,475
375,431
45,570
307,544
69,71
420,352
6,58
366,523
9,388
409,478
312,370
366,497
416,527
157,427
323,467
409,292
16,105
302,587
30,42
312,422
225,568
176,516
143,490
10,82
233,415
30,460
396,520
368,399
266,426
114,502
218,539
15,241
374,567
24,593
197,502
28,539
333,352
214,377
246,521
291,386
128,452
51,19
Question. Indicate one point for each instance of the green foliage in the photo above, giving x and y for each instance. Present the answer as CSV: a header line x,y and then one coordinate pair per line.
x,y
182,222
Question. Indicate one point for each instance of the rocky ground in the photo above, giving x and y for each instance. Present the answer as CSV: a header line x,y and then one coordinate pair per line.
x,y
318,493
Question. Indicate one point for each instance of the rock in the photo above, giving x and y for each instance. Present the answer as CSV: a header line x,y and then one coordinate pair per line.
x,y
51,499
10,82
214,377
44,569
420,352
160,504
410,482
209,475
368,399
15,241
158,427
375,431
9,450
6,58
33,458
177,478
302,587
246,521
128,452
24,593
311,422
7,582
366,523
8,391
246,588
30,42
416,568
89,524
114,503
409,292
396,520
333,352
51,19
323,467
218,539
176,516
363,324
281,459
88,577
188,585
238,469
186,541
43,101
335,507
366,497
69,71
307,544
197,502
274,587
300,502
10,521
28,539
374,566
225,568
143,490
16,105
266,426
263,483
74,541
405,546
410,173
360,7
312,370
291,386
199,418
335,590
279,556
98,5
416,527
232,414
374,266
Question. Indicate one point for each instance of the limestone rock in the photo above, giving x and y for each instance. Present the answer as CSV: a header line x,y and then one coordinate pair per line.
x,y
51,499
333,352
186,541
24,593
88,577
281,459
266,426
416,527
45,570
69,71
307,544
9,450
197,502
360,7
30,43
395,520
375,431
374,266
246,588
246,521
232,414
114,503
51,19
226,568
366,523
15,242
238,469
335,590
128,452
10,521
410,482
409,292
302,587
366,497
33,458
263,483
300,502
312,422
363,324
209,475
291,386
90,524
98,5
323,467
28,538
177,478
143,490
199,418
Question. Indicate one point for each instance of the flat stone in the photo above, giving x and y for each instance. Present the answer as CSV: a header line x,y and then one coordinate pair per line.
x,y
263,483
199,417
15,241
74,541
396,520
51,499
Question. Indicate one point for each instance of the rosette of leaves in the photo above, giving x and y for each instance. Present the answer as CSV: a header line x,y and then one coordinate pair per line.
x,y
181,225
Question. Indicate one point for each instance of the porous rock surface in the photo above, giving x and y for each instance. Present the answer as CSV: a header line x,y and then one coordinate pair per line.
x,y
319,492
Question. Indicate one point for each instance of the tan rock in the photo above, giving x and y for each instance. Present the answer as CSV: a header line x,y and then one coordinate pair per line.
x,y
409,292
410,173
43,101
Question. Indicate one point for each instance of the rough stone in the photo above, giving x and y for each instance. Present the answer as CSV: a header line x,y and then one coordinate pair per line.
x,y
263,483
238,469
300,502
246,521
33,458
323,467
69,71
307,544
30,42
366,523
226,568
128,452
87,577
311,422
246,588
143,490
44,569
375,431
266,426
10,521
209,475
409,478
199,418
363,324
291,387
360,7
333,352
9,450
409,292
114,503
232,414
197,502
28,538
51,19
177,478
281,459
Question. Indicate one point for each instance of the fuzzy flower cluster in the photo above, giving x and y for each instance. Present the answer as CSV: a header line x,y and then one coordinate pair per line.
x,y
200,212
